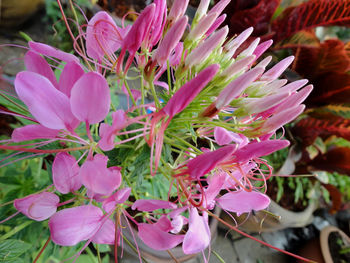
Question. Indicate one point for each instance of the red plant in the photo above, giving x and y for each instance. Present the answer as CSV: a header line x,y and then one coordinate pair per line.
x,y
311,14
245,13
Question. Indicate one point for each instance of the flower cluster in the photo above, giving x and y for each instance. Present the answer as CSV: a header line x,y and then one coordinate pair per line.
x,y
213,113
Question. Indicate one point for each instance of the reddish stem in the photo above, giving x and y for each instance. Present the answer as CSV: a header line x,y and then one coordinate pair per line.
x,y
21,149
42,250
257,240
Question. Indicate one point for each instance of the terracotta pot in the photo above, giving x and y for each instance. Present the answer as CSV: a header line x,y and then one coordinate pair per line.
x,y
155,256
15,13
318,249
324,241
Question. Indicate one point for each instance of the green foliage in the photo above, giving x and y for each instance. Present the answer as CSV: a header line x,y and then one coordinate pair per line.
x,y
11,249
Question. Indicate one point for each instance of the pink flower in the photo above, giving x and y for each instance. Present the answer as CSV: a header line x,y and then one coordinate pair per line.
x,y
103,36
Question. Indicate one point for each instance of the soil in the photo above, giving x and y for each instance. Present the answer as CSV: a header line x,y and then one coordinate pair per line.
x,y
287,200
335,247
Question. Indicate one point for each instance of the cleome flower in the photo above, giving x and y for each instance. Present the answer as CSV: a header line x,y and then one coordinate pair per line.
x,y
192,138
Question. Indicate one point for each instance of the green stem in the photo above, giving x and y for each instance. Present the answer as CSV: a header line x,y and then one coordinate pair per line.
x,y
98,254
13,102
154,94
186,143
170,142
15,230
129,92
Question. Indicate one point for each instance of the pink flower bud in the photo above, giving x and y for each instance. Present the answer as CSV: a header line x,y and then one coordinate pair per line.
x,y
38,206
295,99
250,49
177,10
139,30
261,48
202,8
216,24
236,87
219,7
263,63
202,27
281,118
262,104
202,52
190,90
238,66
278,69
170,41
234,44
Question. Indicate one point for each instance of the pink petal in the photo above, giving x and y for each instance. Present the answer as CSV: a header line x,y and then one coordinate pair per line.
x,y
107,132
65,173
98,178
106,233
103,37
164,223
157,239
258,149
243,202
90,98
223,136
49,51
36,63
205,162
72,71
38,206
215,184
149,205
70,226
197,237
117,198
48,105
184,96
32,132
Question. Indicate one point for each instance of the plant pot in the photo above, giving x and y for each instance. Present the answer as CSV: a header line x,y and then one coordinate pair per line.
x,y
15,13
325,244
318,248
156,256
263,222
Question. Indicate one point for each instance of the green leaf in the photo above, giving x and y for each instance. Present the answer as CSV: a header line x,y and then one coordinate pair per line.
x,y
11,249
